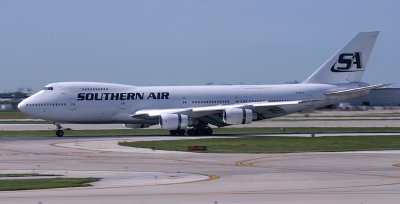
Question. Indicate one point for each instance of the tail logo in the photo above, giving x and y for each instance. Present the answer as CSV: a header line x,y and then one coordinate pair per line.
x,y
348,62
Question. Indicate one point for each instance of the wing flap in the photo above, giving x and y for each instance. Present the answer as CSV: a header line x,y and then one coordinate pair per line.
x,y
207,110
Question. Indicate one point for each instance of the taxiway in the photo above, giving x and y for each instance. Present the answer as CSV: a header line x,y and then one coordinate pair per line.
x,y
137,176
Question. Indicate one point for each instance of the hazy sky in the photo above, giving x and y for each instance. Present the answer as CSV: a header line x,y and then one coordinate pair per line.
x,y
179,42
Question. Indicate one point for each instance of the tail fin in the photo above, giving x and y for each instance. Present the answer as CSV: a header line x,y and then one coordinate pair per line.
x,y
348,64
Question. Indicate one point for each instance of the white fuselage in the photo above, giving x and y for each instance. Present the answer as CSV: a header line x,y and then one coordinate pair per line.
x,y
190,109
93,102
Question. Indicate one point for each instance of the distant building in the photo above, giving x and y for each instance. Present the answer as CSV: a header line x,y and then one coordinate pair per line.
x,y
9,101
379,97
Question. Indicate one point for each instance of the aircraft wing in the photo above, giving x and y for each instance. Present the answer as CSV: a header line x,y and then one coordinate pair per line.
x,y
196,112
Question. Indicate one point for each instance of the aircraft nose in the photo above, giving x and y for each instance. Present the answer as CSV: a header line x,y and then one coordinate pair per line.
x,y
22,105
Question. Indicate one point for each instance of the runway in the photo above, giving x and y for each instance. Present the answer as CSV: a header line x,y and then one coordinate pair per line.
x,y
136,176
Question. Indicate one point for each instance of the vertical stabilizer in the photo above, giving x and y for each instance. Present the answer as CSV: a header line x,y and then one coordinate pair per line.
x,y
348,64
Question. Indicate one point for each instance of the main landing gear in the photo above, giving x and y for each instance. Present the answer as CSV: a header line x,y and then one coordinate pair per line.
x,y
196,131
180,132
206,131
59,132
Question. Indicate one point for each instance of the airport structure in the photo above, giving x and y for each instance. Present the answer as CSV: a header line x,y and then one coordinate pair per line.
x,y
379,97
9,101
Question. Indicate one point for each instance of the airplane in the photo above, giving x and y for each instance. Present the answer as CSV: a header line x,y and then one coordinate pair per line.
x,y
192,109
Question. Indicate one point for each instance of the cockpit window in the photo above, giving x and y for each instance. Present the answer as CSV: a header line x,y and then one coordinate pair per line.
x,y
48,88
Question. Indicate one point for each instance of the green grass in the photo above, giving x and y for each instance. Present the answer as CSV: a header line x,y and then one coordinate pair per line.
x,y
217,131
25,122
266,130
277,144
30,184
25,175
13,115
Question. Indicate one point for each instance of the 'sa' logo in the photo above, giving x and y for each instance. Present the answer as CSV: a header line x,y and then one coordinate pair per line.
x,y
348,62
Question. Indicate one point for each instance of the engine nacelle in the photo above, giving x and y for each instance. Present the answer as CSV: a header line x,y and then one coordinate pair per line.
x,y
236,116
134,126
174,121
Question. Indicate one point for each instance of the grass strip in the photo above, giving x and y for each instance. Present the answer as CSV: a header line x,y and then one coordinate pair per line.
x,y
25,122
31,184
308,130
277,144
217,131
13,115
25,175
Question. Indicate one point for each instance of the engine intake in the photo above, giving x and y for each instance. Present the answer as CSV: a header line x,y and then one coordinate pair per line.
x,y
236,116
174,121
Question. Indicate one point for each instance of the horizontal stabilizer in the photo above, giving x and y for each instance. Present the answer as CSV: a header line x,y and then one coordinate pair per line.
x,y
355,90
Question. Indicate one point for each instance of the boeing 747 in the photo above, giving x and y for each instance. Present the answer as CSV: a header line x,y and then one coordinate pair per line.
x,y
191,109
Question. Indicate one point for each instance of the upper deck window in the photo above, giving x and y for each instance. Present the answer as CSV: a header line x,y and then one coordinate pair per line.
x,y
48,88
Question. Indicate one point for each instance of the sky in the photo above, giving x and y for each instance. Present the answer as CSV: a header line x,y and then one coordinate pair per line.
x,y
181,42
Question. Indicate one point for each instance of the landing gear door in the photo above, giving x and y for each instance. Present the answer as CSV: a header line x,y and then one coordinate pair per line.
x,y
72,104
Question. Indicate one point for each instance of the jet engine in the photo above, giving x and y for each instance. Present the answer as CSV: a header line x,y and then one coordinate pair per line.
x,y
174,121
236,116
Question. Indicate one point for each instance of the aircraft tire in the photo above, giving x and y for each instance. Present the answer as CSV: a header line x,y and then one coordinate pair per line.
x,y
181,132
190,132
59,133
209,131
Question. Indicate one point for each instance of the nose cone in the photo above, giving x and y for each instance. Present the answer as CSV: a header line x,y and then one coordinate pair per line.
x,y
21,106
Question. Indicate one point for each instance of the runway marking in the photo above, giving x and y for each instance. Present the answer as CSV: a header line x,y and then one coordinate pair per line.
x,y
196,162
213,177
252,162
244,163
57,144
73,153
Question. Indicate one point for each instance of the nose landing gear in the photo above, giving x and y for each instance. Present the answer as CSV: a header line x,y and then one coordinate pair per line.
x,y
59,132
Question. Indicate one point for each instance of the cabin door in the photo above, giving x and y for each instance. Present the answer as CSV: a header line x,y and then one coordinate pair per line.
x,y
72,104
